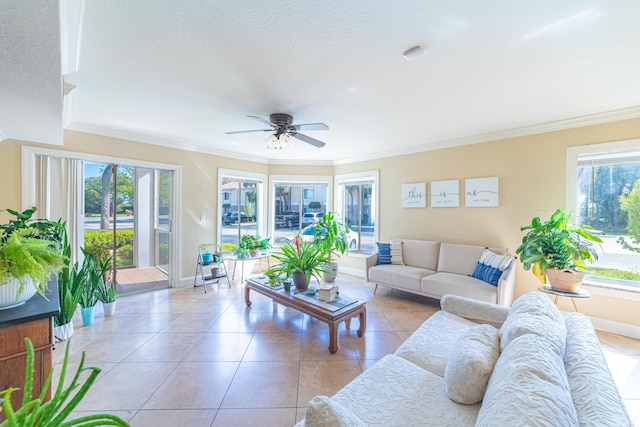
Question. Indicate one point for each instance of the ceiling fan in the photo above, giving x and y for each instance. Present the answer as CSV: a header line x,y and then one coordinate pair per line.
x,y
282,126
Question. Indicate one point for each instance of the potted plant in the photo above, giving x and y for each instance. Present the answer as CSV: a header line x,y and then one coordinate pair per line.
x,y
206,254
35,411
331,235
250,243
557,251
30,252
301,260
264,245
90,278
69,291
106,288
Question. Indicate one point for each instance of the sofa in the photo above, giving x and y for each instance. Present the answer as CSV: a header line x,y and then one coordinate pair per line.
x,y
434,269
476,363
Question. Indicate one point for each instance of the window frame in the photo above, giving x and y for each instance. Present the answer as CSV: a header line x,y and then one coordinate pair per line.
x,y
260,180
598,286
340,180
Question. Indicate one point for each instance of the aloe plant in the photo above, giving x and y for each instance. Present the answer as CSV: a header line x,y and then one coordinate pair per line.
x,y
35,411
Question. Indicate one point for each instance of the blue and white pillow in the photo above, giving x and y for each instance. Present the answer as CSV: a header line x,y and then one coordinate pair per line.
x,y
384,253
491,266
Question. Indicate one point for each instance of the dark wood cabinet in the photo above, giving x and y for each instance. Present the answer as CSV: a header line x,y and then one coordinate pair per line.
x,y
33,320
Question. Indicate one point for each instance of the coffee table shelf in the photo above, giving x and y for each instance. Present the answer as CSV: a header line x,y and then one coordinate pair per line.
x,y
331,318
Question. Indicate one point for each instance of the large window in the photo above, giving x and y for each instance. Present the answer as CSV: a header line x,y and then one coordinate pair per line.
x,y
603,191
357,205
241,209
297,203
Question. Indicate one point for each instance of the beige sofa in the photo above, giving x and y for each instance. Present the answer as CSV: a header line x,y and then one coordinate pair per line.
x,y
531,367
434,269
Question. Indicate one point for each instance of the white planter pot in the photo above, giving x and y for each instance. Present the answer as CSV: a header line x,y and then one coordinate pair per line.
x,y
109,308
63,332
9,292
332,269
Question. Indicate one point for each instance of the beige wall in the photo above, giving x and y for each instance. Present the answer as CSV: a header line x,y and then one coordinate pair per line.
x,y
532,174
531,170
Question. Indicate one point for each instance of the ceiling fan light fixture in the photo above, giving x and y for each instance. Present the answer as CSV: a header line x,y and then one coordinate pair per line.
x,y
278,141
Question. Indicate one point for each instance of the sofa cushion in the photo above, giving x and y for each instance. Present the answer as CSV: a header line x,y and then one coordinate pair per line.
x,y
459,259
396,253
419,253
490,267
395,392
534,313
400,276
528,387
595,395
322,412
430,345
384,253
470,364
439,284
478,311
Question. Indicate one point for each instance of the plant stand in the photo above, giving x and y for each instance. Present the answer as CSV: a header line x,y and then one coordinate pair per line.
x,y
205,270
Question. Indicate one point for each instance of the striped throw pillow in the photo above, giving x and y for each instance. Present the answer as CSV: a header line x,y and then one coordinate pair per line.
x,y
396,253
384,253
490,267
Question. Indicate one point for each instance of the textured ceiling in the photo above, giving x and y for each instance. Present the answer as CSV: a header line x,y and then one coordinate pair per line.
x,y
182,73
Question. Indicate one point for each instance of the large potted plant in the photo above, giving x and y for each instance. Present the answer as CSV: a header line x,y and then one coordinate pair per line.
x,y
557,251
30,253
301,260
331,236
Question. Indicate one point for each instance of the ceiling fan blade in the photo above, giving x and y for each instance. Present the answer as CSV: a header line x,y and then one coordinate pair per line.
x,y
311,126
246,131
308,139
265,121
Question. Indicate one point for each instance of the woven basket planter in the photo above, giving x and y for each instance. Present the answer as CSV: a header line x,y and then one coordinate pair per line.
x,y
566,280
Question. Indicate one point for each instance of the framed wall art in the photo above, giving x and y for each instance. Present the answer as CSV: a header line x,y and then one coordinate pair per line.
x,y
445,194
414,195
481,192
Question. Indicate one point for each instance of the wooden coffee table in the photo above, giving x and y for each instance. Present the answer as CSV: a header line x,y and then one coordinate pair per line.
x,y
331,318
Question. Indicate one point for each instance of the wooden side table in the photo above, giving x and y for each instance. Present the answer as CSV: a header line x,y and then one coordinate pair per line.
x,y
581,293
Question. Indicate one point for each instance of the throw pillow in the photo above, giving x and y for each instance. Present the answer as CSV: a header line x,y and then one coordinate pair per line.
x,y
528,387
384,253
534,314
470,364
491,266
396,253
322,412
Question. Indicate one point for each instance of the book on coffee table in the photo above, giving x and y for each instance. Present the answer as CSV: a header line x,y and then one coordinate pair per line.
x,y
333,305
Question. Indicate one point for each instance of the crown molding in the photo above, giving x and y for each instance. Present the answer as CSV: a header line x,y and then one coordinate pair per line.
x,y
163,142
554,126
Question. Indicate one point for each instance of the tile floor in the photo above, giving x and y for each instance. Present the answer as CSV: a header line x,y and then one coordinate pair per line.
x,y
180,357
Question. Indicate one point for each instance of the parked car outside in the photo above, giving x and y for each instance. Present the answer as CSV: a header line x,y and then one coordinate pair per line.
x,y
229,218
309,232
287,219
309,218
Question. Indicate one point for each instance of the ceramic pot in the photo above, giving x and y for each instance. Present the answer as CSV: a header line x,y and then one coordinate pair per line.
x,y
207,258
63,332
300,280
109,308
331,272
9,292
88,315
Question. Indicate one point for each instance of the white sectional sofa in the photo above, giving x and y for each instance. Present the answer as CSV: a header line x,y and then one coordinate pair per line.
x,y
434,269
530,367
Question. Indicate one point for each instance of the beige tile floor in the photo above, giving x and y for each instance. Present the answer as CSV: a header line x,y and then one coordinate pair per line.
x,y
180,357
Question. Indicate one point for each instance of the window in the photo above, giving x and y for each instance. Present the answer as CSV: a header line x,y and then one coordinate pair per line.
x,y
297,202
357,205
603,191
242,205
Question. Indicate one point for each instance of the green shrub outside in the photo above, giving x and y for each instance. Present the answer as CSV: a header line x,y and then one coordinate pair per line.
x,y
101,242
